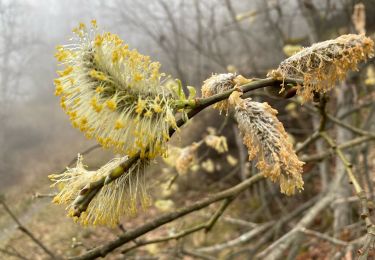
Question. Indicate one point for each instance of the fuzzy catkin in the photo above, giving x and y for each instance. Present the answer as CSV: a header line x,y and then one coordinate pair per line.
x,y
115,199
216,84
265,137
115,95
321,65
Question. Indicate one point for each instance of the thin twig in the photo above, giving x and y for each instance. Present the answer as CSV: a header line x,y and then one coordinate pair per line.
x,y
276,249
207,226
356,108
332,240
14,254
26,231
196,255
365,213
308,141
218,213
38,195
239,222
89,191
243,238
166,218
343,146
349,127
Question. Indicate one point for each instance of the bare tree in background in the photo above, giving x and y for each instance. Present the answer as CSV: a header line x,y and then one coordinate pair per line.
x,y
15,46
197,38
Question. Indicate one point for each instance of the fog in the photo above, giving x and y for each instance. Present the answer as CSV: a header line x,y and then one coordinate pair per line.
x,y
36,137
193,40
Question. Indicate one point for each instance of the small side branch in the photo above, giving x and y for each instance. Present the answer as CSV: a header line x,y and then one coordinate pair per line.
x,y
169,217
243,238
88,192
12,253
26,231
312,138
325,237
361,194
207,226
343,146
276,249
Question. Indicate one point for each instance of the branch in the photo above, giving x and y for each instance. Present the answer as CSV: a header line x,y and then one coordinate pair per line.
x,y
202,103
356,108
277,227
239,222
276,249
332,240
349,127
343,146
14,253
26,231
323,119
337,120
207,226
307,142
89,191
243,238
166,218
38,195
365,214
195,254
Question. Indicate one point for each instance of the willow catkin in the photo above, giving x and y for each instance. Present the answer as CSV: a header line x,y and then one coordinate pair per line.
x,y
186,158
323,64
216,84
114,94
265,138
218,143
113,200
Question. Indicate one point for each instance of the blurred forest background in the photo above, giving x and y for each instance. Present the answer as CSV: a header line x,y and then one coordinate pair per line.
x,y
192,39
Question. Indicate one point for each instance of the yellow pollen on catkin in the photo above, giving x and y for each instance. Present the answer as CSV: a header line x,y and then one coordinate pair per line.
x,y
157,108
76,101
57,81
148,113
93,101
115,56
265,137
98,75
81,26
62,54
111,104
59,90
138,77
321,65
71,81
141,105
99,89
83,121
119,92
119,125
98,108
98,40
65,72
79,30
94,23
72,115
95,105
115,199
